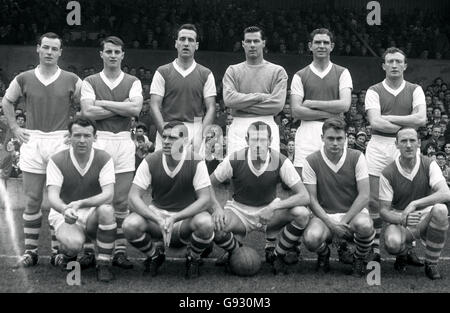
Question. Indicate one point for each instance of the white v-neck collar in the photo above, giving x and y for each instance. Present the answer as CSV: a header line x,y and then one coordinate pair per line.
x,y
319,73
334,167
409,176
262,169
77,166
46,81
177,169
184,72
112,84
394,92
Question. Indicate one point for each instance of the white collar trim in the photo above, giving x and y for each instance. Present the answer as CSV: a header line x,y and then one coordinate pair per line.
x,y
183,72
112,84
394,92
262,169
334,167
319,73
409,176
77,166
46,81
177,169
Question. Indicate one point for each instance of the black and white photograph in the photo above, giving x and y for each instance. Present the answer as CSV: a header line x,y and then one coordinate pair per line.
x,y
221,153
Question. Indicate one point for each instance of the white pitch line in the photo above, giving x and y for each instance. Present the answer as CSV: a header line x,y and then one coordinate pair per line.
x,y
207,260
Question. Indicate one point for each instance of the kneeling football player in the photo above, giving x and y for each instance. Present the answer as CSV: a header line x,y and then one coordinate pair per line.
x,y
412,195
80,184
255,172
338,183
178,212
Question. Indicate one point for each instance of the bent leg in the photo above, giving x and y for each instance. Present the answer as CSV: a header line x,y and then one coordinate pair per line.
x,y
363,234
139,232
436,232
71,238
316,235
225,238
396,239
105,227
200,228
297,219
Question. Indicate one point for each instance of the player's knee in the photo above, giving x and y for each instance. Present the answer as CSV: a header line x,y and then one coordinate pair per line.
x,y
301,215
106,213
131,227
33,201
72,245
312,239
440,212
202,224
393,243
363,225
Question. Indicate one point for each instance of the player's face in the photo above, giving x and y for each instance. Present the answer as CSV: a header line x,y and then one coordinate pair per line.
x,y
394,65
49,51
253,45
408,143
321,46
186,43
334,141
172,142
258,142
82,139
112,55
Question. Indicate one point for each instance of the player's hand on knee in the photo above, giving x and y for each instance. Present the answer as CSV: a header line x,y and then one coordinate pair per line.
x,y
409,209
266,214
220,219
341,231
70,216
413,219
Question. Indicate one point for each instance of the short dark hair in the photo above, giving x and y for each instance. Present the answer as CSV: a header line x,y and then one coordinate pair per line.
x,y
440,153
173,124
336,123
51,36
254,29
392,50
321,31
83,122
188,27
114,40
21,115
141,126
259,126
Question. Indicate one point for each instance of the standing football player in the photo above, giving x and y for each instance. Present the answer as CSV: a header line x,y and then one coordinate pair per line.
x,y
48,93
111,98
184,90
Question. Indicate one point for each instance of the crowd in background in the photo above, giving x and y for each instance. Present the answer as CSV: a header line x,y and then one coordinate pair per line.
x,y
151,25
435,136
